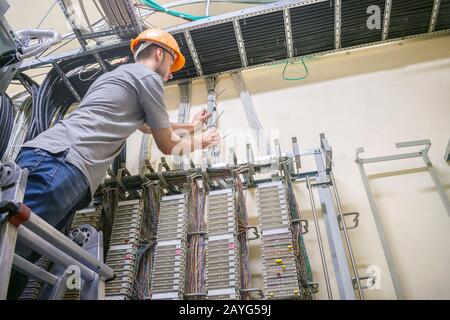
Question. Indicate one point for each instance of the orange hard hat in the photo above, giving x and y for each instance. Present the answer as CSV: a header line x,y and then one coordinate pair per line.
x,y
164,39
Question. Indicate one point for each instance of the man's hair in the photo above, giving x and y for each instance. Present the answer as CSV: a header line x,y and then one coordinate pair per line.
x,y
147,52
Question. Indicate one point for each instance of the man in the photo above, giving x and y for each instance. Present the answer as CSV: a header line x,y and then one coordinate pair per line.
x,y
68,162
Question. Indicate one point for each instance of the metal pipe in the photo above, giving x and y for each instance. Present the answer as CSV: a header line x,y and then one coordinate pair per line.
x,y
33,271
60,241
347,238
319,238
38,244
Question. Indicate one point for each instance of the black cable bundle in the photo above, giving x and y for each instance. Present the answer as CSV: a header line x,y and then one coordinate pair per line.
x,y
54,99
151,196
6,122
33,88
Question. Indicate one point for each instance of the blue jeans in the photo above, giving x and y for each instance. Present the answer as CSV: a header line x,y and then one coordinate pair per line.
x,y
54,186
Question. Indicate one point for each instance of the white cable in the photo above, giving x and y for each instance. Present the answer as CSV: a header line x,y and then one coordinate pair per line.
x,y
250,113
45,39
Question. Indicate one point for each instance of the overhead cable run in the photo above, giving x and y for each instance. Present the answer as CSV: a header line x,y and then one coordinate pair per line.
x,y
251,115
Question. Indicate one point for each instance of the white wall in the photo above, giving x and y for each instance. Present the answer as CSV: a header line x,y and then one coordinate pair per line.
x,y
372,98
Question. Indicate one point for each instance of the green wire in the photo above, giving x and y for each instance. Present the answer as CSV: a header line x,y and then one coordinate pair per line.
x,y
295,79
157,7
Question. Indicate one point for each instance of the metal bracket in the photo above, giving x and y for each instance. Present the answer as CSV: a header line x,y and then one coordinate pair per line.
x,y
296,153
255,233
193,51
371,281
387,20
12,182
122,172
337,23
314,287
148,166
304,224
57,291
161,176
288,32
328,151
165,164
426,143
259,292
355,220
206,176
66,80
434,15
240,42
251,169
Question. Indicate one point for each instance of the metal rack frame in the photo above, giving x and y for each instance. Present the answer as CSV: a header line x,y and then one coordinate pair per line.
x,y
423,153
321,179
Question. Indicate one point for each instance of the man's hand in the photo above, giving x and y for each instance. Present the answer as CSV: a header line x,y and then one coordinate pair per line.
x,y
210,138
170,143
201,117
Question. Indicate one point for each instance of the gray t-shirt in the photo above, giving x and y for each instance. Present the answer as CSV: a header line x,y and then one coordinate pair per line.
x,y
117,104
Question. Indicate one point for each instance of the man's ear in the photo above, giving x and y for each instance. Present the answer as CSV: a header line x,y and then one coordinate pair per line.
x,y
160,54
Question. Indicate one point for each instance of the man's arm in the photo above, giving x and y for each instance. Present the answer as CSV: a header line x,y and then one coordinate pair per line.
x,y
170,143
199,118
189,127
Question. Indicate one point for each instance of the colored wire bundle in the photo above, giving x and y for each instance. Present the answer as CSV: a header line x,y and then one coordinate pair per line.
x,y
302,260
151,196
241,211
109,206
196,256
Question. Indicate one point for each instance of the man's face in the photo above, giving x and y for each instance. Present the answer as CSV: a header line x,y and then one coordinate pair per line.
x,y
166,61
